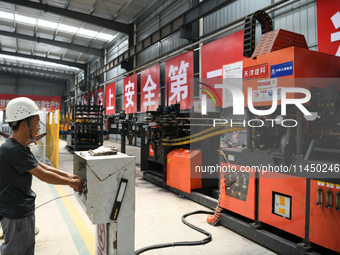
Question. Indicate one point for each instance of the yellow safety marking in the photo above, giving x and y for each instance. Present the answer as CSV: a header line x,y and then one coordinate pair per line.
x,y
83,229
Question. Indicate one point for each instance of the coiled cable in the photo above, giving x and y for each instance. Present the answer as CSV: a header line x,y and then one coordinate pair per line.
x,y
183,243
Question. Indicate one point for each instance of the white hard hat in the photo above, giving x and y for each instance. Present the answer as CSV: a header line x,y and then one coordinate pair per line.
x,y
21,108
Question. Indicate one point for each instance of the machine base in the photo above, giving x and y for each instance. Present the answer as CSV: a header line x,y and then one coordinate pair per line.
x,y
256,232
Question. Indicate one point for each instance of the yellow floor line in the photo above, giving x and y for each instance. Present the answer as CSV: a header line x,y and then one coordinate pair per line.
x,y
83,229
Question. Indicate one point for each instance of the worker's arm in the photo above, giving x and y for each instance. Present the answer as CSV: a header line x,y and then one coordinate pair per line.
x,y
54,178
57,171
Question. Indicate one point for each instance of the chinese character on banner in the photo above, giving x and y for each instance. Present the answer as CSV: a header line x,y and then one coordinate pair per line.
x,y
92,98
130,94
149,89
85,97
178,73
111,99
100,96
328,20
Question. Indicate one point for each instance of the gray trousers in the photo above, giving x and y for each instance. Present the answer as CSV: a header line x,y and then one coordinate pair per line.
x,y
19,236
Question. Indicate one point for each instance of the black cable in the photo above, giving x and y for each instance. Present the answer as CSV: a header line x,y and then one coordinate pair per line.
x,y
183,243
53,200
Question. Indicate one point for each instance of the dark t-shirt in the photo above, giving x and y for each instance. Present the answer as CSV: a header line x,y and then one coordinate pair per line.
x,y
16,196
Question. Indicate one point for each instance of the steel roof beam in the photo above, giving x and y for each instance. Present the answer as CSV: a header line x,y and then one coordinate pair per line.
x,y
84,49
183,21
203,9
116,26
61,62
53,73
38,78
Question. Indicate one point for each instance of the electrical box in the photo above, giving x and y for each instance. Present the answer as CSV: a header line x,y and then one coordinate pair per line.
x,y
181,172
110,181
282,202
325,213
103,175
237,189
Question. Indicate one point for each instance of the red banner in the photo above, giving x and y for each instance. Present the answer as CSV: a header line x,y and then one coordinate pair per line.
x,y
149,89
51,103
111,99
130,94
178,73
216,54
328,18
100,96
223,51
85,99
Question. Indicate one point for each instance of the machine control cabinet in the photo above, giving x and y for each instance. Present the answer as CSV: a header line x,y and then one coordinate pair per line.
x,y
103,175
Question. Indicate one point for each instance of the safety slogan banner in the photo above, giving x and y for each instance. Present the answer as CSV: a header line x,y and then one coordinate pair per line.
x,y
130,94
226,50
149,89
111,98
100,96
328,18
178,73
51,103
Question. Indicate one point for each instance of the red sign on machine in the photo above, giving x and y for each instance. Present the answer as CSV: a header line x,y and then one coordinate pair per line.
x,y
111,99
149,89
130,94
255,71
51,103
328,18
178,72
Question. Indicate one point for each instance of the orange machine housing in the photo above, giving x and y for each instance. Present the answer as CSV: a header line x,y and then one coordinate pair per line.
x,y
181,169
306,64
324,221
245,207
295,187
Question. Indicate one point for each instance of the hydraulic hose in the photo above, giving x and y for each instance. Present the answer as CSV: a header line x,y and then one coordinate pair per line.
x,y
182,243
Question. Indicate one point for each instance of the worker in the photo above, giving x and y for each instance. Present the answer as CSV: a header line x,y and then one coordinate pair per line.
x,y
17,165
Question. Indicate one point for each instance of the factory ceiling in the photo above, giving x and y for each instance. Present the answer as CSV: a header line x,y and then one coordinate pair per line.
x,y
56,39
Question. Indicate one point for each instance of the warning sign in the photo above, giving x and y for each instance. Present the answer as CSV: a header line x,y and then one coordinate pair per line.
x,y
263,95
268,83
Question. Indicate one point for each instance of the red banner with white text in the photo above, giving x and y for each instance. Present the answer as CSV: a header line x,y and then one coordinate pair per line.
x,y
178,73
130,94
149,89
51,103
111,99
328,18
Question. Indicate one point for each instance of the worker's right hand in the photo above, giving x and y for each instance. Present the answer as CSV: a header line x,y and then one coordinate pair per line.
x,y
77,183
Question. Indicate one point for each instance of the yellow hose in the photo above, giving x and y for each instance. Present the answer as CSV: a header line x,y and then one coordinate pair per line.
x,y
201,137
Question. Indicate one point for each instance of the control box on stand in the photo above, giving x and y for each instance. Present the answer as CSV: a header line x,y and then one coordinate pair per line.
x,y
110,181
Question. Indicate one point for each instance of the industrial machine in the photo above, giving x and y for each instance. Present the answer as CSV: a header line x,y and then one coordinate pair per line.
x,y
129,128
86,128
278,181
268,156
108,198
286,177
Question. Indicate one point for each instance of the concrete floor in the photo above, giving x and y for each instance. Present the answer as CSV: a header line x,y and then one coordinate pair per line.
x,y
65,229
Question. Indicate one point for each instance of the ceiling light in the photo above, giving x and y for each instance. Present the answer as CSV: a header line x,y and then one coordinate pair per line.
x,y
54,25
